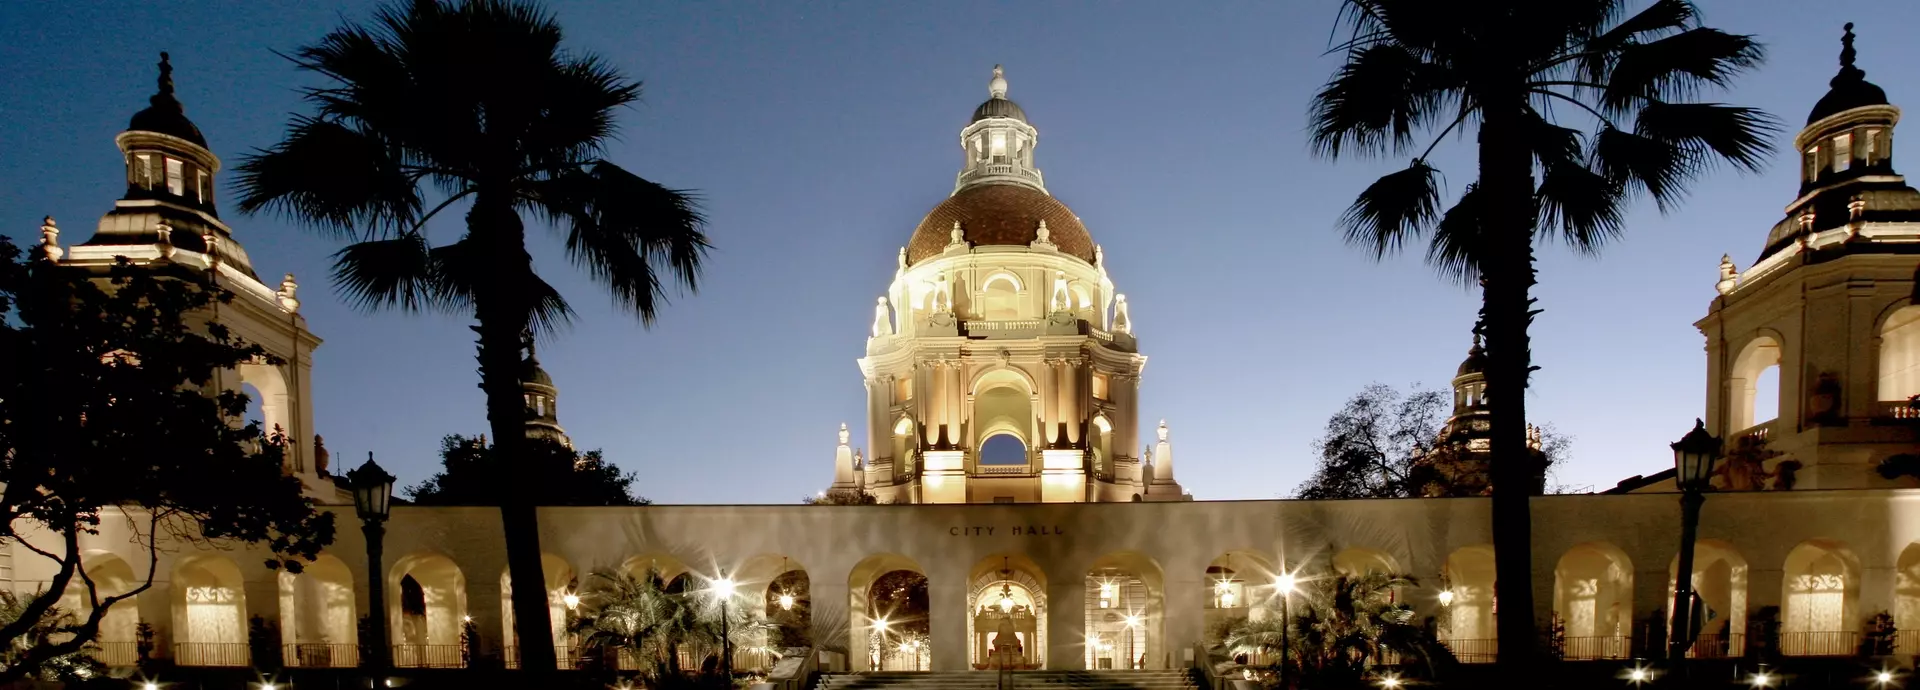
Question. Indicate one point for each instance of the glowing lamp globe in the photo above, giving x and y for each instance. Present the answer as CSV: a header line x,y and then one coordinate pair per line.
x,y
1285,582
723,587
372,491
786,602
1446,597
1693,456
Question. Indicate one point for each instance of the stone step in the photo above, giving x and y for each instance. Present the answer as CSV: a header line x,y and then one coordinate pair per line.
x,y
990,680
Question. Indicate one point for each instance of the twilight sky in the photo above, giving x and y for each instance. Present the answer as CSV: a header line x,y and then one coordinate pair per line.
x,y
821,133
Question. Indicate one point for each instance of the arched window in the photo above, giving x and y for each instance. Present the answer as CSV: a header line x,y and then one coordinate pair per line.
x,y
1753,385
1000,298
1900,355
1822,589
1003,449
1593,599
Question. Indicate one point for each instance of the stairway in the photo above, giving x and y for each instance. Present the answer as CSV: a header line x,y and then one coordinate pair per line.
x,y
1017,680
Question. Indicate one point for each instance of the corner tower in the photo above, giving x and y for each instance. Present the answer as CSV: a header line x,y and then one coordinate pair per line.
x,y
167,222
1001,366
1827,310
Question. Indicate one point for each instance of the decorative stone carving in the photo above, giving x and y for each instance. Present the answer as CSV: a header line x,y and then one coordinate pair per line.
x,y
1062,300
286,295
1729,278
956,238
882,319
1122,321
50,240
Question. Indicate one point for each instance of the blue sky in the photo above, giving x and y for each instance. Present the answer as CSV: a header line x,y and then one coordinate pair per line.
x,y
819,135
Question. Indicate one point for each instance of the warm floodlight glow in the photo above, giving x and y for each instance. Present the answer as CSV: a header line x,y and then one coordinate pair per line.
x,y
267,686
1390,682
571,600
1883,678
1446,597
1638,675
1226,600
1006,604
905,648
1132,621
1106,590
723,587
1286,582
149,685
1762,679
880,624
786,602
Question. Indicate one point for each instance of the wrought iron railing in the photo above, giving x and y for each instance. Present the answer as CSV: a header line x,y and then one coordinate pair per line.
x,y
1906,643
1587,648
1728,646
320,655
428,656
1473,651
1824,643
564,656
115,653
212,654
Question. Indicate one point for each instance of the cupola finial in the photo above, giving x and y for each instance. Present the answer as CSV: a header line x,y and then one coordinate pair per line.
x,y
166,73
1848,72
998,87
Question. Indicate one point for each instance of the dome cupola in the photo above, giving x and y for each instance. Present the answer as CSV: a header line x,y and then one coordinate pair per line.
x,y
167,157
998,142
542,399
1846,161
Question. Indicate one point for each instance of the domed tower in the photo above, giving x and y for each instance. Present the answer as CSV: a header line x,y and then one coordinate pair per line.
x,y
167,221
1827,309
1001,366
1468,424
543,398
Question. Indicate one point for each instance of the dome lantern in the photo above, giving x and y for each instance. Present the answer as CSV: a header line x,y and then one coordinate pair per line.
x,y
167,156
998,142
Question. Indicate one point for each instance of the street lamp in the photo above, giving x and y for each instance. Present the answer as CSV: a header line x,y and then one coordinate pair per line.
x,y
1284,585
373,501
1693,457
723,588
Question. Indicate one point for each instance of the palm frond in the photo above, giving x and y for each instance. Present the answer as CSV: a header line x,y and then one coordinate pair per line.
x,y
1580,206
1635,161
1663,17
396,272
1378,100
631,234
340,179
1739,135
1459,244
1676,67
1396,207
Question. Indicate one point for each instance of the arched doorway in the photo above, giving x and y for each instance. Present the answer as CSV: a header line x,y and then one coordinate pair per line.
x,y
563,598
209,612
887,608
1822,588
1237,583
1720,578
1593,601
319,627
118,639
1007,614
1467,605
428,612
1900,356
778,589
1125,608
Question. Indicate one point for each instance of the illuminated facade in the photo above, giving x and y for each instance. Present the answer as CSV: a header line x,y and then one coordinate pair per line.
x,y
1001,323
1001,365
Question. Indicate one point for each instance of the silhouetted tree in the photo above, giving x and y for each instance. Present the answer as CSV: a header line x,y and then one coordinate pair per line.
x,y
1385,444
477,101
471,474
842,497
111,412
1514,70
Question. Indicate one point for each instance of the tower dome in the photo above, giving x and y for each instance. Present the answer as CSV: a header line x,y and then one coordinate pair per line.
x,y
164,113
1849,89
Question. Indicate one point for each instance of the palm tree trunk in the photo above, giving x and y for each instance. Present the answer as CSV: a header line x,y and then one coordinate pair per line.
x,y
502,309
1506,176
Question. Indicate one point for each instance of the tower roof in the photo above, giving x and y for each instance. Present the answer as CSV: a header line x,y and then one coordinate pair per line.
x,y
1849,89
997,104
164,114
1476,361
1000,214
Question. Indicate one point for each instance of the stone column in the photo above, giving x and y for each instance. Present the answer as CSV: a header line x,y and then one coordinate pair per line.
x,y
263,601
1049,404
156,609
484,603
1070,397
947,607
1066,621
1184,623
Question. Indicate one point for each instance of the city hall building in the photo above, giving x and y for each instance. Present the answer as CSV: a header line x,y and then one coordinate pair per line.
x,y
1002,371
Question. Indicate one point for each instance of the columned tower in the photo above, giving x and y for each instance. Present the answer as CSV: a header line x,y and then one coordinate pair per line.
x,y
1001,365
543,399
1827,310
167,221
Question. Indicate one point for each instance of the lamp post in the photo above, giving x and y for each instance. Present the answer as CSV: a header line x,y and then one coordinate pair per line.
x,y
1693,457
724,588
373,501
1284,585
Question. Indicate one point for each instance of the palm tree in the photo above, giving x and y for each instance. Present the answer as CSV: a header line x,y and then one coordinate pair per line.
x,y
1343,626
477,101
1515,70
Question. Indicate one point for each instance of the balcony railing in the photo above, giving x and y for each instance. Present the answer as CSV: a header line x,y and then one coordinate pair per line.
x,y
1906,643
1833,643
1757,432
320,655
564,657
1718,646
1003,469
1588,648
212,654
115,653
428,656
1895,409
1473,651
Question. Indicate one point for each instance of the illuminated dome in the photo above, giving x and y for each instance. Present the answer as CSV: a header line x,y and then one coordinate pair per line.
x,y
1000,214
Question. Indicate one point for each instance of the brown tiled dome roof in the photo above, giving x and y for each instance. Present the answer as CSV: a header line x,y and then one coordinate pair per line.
x,y
1000,214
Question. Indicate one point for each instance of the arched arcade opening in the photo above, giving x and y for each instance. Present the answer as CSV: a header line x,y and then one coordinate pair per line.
x,y
1125,612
